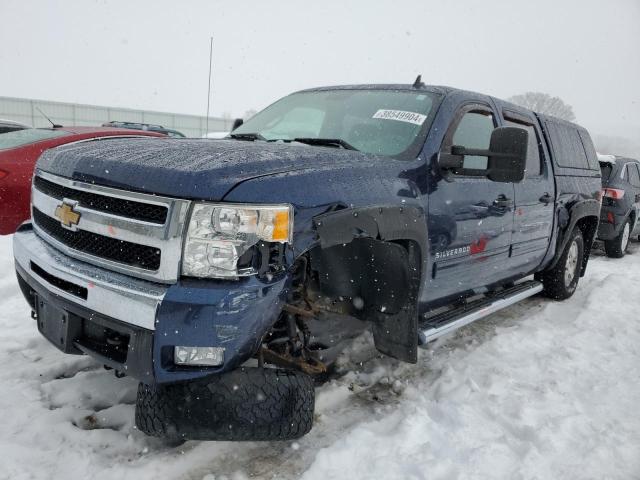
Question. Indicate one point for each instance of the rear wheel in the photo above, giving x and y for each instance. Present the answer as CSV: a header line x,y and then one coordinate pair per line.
x,y
617,247
561,281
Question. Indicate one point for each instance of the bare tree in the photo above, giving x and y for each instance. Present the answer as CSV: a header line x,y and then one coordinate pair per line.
x,y
544,103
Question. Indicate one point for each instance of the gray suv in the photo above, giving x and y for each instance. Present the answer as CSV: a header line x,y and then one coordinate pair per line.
x,y
620,203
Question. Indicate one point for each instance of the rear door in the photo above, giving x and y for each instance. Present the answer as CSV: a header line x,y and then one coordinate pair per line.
x,y
470,217
534,196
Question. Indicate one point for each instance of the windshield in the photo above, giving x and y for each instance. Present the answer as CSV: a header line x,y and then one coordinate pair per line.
x,y
19,138
384,122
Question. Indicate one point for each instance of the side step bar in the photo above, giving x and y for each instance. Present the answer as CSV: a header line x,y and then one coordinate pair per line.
x,y
452,320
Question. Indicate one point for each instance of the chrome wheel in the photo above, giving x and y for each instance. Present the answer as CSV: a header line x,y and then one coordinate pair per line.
x,y
624,241
571,264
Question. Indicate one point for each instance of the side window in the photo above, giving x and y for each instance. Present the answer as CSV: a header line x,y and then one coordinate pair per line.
x,y
567,145
474,131
589,149
534,165
634,178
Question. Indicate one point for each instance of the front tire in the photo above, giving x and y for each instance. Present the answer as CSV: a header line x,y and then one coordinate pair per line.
x,y
244,404
561,281
617,247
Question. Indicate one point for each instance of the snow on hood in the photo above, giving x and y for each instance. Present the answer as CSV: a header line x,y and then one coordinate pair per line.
x,y
189,168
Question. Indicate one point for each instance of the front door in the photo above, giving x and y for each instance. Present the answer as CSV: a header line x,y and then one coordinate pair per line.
x,y
470,217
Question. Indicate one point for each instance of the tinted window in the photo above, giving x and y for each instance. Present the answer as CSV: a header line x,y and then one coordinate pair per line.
x,y
10,128
171,133
27,136
384,122
534,165
567,146
605,169
589,149
634,178
474,131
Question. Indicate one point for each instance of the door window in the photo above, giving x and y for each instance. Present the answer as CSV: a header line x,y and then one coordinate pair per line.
x,y
474,131
534,165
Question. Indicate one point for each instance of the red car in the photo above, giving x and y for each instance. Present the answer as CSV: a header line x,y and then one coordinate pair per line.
x,y
19,151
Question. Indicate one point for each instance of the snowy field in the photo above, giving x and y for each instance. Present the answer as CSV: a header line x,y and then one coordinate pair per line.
x,y
542,390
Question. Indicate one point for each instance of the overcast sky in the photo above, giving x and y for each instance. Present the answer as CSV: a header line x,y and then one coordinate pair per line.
x,y
154,54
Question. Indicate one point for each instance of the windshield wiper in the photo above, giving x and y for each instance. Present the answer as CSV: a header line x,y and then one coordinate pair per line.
x,y
328,142
247,136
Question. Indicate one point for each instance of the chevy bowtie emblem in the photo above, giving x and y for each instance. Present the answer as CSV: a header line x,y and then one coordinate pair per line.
x,y
67,216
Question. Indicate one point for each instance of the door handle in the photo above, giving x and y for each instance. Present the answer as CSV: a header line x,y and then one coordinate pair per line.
x,y
546,198
503,202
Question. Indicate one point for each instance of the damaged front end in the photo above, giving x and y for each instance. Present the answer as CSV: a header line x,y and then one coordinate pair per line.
x,y
366,267
175,290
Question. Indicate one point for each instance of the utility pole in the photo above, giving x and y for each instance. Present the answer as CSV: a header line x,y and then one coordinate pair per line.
x,y
209,90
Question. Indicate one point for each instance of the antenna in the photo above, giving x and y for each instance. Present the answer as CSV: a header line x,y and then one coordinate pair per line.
x,y
54,125
418,83
209,90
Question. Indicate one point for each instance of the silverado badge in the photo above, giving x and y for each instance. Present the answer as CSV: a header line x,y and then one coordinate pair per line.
x,y
67,216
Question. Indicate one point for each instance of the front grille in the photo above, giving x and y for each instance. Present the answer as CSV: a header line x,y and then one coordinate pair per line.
x,y
117,206
91,243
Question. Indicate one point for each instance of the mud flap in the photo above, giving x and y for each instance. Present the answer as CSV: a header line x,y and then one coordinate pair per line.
x,y
395,332
397,335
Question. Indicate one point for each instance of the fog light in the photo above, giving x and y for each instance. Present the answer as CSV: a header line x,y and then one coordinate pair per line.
x,y
208,356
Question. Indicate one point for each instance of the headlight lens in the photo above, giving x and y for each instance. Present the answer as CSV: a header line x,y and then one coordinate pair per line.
x,y
219,234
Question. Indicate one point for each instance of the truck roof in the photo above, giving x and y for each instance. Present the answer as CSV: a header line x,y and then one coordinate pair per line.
x,y
383,86
441,89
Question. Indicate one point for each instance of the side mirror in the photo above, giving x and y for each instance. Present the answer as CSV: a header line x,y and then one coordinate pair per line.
x,y
506,157
508,154
236,123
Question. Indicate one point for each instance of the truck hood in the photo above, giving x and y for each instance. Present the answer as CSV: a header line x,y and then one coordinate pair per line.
x,y
189,168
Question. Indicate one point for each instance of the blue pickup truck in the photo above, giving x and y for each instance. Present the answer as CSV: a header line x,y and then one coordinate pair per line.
x,y
210,270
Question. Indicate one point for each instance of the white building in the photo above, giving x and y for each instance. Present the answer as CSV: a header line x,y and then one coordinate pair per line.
x,y
73,114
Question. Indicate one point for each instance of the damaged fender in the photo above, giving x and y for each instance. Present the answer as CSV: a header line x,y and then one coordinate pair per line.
x,y
379,254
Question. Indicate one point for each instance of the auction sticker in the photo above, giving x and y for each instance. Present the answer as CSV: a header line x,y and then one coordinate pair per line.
x,y
401,116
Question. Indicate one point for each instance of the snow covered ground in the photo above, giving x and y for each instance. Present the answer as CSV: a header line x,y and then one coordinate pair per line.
x,y
542,390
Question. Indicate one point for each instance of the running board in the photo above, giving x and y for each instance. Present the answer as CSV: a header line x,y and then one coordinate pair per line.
x,y
452,320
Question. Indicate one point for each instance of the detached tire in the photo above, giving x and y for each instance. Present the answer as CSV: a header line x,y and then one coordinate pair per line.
x,y
561,281
617,247
245,404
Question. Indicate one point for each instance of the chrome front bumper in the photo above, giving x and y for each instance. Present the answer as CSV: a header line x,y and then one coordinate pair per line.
x,y
112,294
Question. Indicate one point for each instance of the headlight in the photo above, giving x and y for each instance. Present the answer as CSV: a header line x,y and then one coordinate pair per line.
x,y
219,234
